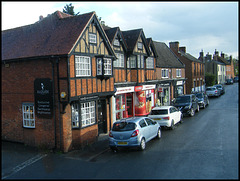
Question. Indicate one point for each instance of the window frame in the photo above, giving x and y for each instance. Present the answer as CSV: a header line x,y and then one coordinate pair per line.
x,y
178,72
92,38
76,109
165,73
104,67
150,63
116,42
88,111
140,45
82,67
119,62
29,113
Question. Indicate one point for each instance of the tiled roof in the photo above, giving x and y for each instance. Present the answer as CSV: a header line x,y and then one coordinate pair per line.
x,y
111,33
54,35
190,57
166,58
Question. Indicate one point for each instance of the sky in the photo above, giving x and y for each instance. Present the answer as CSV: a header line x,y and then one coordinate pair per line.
x,y
196,25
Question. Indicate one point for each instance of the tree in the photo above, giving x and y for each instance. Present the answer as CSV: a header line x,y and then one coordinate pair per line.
x,y
69,9
210,79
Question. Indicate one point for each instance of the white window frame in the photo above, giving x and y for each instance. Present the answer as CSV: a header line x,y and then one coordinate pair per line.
x,y
88,113
165,73
140,60
140,45
107,63
116,42
75,115
119,62
178,73
99,66
150,63
132,62
92,38
82,66
28,115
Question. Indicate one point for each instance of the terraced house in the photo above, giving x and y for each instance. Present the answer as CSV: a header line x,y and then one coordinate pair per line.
x,y
57,75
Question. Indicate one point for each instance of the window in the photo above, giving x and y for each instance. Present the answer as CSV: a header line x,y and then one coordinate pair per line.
x,y
107,66
99,66
140,61
28,115
140,45
92,38
75,116
120,60
178,73
88,113
142,123
150,63
116,42
83,66
164,73
131,62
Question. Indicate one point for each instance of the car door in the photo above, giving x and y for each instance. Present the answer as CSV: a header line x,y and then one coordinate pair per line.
x,y
144,129
176,114
151,129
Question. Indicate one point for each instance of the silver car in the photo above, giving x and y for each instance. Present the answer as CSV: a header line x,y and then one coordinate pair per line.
x,y
133,132
212,91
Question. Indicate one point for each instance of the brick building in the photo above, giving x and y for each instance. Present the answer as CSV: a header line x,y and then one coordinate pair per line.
x,y
194,69
56,77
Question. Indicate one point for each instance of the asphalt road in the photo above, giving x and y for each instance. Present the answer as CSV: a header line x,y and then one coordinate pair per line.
x,y
202,147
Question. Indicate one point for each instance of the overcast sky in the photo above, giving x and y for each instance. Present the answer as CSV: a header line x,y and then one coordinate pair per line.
x,y
196,25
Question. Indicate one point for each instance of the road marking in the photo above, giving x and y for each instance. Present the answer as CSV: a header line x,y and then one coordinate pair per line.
x,y
24,164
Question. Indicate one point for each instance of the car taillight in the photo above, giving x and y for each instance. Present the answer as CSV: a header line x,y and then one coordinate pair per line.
x,y
216,91
167,118
135,133
110,134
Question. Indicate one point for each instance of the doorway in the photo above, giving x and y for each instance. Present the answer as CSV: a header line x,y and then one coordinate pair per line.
x,y
102,116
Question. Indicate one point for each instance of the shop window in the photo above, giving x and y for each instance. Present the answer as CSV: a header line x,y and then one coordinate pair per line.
x,y
88,113
28,115
75,116
82,66
120,107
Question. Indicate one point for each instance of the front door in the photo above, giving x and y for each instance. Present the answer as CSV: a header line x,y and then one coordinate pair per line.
x,y
102,116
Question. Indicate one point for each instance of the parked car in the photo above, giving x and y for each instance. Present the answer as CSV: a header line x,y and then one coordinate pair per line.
x,y
212,92
166,116
221,88
133,132
203,100
229,81
187,104
235,79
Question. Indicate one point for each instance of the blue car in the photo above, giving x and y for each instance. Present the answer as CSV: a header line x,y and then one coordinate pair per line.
x,y
133,132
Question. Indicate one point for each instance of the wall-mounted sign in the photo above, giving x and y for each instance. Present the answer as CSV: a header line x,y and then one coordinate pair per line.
x,y
43,98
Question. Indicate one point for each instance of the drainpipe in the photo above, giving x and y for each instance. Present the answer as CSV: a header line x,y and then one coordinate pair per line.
x,y
54,108
59,107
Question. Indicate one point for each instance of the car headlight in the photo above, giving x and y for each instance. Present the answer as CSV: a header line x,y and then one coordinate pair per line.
x,y
201,102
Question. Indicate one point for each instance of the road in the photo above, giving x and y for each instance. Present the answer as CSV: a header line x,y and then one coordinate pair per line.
x,y
202,147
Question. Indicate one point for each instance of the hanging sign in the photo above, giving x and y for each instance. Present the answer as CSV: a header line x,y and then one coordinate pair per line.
x,y
43,98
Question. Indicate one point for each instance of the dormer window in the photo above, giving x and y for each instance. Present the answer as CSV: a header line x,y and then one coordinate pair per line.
x,y
140,45
116,42
92,38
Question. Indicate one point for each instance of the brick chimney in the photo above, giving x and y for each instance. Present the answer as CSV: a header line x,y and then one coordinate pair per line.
x,y
174,46
222,54
216,52
201,56
182,49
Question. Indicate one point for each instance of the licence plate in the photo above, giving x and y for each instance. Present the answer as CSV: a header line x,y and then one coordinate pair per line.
x,y
122,143
157,118
210,94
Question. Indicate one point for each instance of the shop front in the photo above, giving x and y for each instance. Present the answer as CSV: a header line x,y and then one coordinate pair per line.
x,y
164,92
179,88
133,101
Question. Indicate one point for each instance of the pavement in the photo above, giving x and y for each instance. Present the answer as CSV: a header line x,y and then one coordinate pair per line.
x,y
16,156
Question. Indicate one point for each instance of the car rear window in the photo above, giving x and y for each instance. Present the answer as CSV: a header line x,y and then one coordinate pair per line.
x,y
159,112
183,99
199,95
123,126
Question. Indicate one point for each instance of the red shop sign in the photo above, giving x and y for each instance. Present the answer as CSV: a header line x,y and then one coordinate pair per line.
x,y
138,88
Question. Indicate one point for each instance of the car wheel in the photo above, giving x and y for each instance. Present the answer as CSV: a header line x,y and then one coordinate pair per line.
x,y
181,119
172,125
159,134
114,148
142,144
197,108
192,112
204,105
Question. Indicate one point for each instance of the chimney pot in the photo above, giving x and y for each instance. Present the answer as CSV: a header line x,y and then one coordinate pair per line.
x,y
40,17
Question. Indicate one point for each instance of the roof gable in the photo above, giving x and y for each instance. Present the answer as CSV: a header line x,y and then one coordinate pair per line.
x,y
54,35
166,58
131,37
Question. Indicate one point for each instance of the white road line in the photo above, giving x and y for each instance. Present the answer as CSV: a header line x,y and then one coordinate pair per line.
x,y
25,164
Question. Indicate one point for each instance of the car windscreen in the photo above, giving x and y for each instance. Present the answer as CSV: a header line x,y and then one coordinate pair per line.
x,y
182,99
123,126
199,95
159,112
